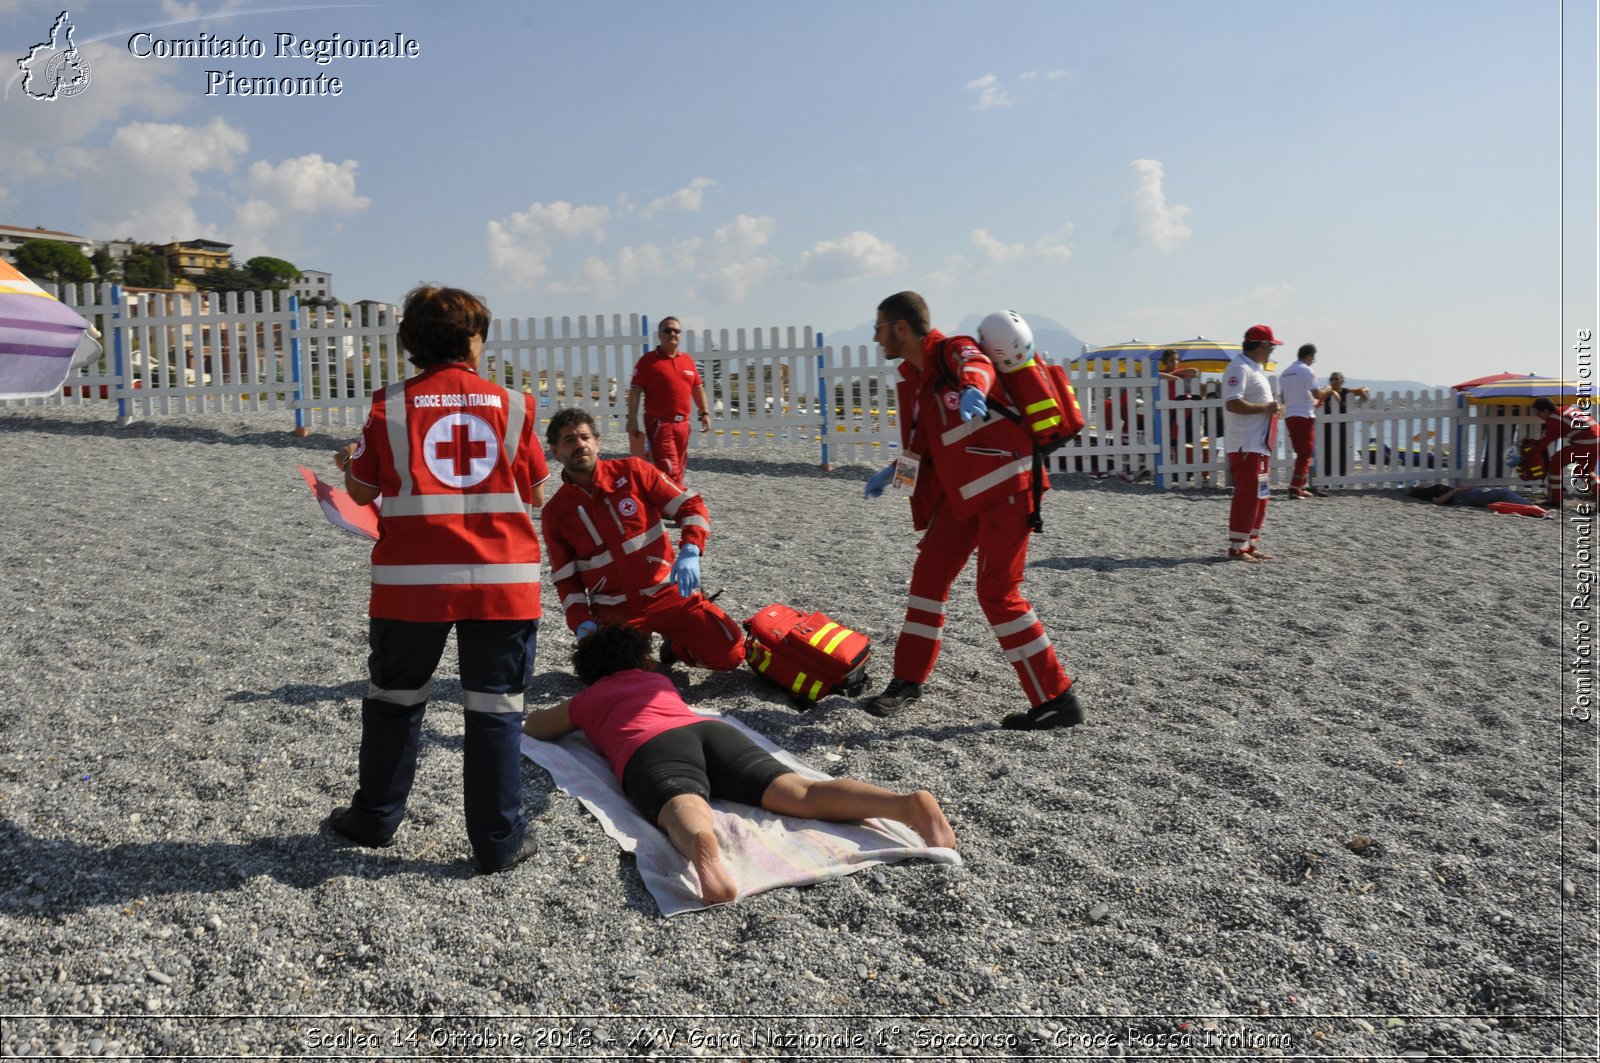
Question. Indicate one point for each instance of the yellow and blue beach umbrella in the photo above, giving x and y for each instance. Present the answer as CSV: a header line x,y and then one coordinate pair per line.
x,y
1208,356
1526,389
1128,357
41,339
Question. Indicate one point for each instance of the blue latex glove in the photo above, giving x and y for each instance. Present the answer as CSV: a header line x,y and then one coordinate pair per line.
x,y
585,629
686,570
973,404
879,481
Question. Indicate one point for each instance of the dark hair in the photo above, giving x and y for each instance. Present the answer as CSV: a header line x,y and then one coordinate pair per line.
x,y
908,307
1429,492
663,323
1168,353
565,419
437,325
1544,405
611,649
1307,349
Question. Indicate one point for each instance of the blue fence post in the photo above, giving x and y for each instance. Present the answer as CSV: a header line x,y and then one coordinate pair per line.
x,y
117,359
295,372
822,390
1459,449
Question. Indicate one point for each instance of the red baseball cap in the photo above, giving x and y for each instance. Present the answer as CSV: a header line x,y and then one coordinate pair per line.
x,y
1261,333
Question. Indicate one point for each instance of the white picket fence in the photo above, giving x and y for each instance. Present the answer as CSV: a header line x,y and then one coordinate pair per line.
x,y
204,352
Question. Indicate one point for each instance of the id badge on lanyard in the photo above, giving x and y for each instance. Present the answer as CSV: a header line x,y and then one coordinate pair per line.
x,y
906,467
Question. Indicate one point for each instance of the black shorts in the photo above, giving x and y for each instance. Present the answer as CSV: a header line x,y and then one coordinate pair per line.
x,y
709,759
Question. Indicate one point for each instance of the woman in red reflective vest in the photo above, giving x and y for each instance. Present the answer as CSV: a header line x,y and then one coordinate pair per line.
x,y
457,461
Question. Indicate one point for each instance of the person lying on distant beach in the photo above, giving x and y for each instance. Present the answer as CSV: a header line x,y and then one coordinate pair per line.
x,y
672,761
1482,497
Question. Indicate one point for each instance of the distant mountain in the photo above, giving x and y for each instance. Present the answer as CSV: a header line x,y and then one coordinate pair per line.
x,y
1050,336
1387,386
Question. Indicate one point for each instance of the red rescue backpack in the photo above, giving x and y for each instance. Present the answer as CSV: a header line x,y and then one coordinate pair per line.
x,y
808,654
1040,398
1530,465
1043,402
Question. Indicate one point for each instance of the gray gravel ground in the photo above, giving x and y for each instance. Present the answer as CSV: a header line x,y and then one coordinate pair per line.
x,y
1328,807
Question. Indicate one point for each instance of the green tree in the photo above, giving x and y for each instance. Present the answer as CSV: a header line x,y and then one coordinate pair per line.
x,y
146,267
105,267
226,279
271,273
53,261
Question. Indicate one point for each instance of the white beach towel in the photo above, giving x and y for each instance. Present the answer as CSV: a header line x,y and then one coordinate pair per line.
x,y
762,850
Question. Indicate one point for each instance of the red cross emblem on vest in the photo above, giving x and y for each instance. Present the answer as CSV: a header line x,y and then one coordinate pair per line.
x,y
461,449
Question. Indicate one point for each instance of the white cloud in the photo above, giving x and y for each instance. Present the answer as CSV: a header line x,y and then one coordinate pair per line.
x,y
1028,75
1056,246
1057,75
1053,247
119,83
143,184
744,234
308,185
687,198
996,251
990,94
860,254
521,245
1148,218
731,281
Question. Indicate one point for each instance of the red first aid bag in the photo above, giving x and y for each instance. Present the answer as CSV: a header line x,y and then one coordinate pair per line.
x,y
1046,404
1531,465
808,654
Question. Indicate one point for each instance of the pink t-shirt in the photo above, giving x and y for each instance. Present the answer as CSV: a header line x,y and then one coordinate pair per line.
x,y
625,710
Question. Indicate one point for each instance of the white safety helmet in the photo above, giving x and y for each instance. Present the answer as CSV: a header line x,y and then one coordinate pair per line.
x,y
1007,339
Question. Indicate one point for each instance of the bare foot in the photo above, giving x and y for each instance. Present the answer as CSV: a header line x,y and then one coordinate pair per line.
x,y
716,884
1243,555
924,816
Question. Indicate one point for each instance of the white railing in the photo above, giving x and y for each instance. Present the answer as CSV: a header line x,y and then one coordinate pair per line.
x,y
170,353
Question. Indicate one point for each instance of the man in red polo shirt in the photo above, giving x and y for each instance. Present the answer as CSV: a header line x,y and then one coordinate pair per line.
x,y
667,380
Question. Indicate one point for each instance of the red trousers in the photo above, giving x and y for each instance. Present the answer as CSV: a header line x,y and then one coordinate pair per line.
x,y
999,534
669,446
699,632
1305,444
1248,472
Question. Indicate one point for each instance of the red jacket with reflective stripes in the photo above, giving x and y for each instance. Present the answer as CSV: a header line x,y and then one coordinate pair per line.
x,y
1568,426
976,463
606,543
456,459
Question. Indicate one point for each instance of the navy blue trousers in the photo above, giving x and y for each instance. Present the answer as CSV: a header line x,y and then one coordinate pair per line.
x,y
495,657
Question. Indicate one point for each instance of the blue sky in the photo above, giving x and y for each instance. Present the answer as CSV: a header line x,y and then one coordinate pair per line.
x,y
1381,178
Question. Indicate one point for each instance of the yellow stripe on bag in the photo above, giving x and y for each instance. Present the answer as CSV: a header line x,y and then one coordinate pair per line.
x,y
843,634
816,690
1043,404
1041,425
766,657
823,630
799,681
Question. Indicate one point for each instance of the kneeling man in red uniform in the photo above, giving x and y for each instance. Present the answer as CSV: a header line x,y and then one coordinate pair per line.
x,y
612,560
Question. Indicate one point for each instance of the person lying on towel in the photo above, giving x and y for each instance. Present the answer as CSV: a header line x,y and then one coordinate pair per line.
x,y
671,761
1499,499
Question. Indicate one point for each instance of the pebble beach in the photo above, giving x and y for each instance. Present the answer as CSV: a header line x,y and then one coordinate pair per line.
x,y
1329,806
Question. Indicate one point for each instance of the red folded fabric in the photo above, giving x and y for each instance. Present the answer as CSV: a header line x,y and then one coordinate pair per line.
x,y
1516,509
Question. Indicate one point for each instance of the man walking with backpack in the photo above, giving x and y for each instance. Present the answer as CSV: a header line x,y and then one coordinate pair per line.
x,y
970,475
